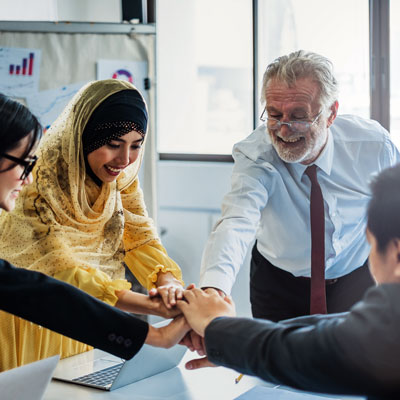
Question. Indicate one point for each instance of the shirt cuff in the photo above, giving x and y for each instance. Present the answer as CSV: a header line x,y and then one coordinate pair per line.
x,y
152,278
218,280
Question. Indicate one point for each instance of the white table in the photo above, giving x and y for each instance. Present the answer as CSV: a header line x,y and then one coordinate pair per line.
x,y
176,384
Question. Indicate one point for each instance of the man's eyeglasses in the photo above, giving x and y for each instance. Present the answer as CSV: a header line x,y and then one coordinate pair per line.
x,y
27,164
295,126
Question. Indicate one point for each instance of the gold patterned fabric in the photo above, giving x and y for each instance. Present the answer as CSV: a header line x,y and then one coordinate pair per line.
x,y
66,226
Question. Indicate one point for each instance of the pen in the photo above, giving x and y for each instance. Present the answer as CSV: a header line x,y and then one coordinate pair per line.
x,y
237,380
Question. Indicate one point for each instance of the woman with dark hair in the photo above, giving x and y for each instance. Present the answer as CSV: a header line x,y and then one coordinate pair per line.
x,y
350,353
20,134
50,302
84,216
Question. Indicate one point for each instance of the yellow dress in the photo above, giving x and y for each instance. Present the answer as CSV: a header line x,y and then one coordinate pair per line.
x,y
67,227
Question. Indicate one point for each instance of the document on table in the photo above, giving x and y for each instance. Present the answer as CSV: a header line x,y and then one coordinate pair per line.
x,y
265,393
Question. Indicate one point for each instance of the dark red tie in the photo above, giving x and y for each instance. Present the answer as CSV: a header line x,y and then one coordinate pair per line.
x,y
317,218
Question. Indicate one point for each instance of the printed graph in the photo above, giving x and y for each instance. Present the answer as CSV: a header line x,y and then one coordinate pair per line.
x,y
19,71
132,71
123,74
25,68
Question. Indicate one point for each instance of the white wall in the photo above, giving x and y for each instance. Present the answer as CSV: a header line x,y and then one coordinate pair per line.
x,y
189,197
89,10
22,10
61,10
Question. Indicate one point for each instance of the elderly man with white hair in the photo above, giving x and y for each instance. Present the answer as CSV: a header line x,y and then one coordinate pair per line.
x,y
300,187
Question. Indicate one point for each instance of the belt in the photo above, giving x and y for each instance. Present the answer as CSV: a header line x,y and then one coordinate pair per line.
x,y
327,281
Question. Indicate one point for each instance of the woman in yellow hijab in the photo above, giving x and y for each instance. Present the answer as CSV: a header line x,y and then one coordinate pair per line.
x,y
84,217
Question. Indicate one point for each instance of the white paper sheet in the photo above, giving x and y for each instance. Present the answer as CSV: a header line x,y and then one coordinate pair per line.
x,y
48,104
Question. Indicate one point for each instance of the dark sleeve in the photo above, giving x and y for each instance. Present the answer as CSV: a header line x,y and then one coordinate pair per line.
x,y
353,353
67,310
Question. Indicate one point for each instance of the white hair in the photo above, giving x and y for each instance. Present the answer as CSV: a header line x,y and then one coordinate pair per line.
x,y
304,64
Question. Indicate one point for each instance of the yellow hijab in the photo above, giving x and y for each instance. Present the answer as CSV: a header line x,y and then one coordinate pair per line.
x,y
64,220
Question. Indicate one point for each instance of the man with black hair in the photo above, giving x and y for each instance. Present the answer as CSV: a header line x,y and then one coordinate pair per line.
x,y
356,352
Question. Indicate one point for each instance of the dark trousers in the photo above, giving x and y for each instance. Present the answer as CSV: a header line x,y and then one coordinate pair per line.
x,y
276,294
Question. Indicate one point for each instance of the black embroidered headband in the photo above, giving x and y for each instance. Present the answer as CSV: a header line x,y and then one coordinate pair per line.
x,y
122,112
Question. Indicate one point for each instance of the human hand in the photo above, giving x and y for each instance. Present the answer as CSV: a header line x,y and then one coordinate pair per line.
x,y
142,304
194,342
160,291
169,335
200,307
199,363
159,308
168,288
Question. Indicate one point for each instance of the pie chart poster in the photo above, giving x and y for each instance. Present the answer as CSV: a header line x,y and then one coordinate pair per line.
x,y
131,71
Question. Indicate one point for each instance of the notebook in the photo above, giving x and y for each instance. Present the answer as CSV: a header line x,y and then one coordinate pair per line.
x,y
102,370
28,382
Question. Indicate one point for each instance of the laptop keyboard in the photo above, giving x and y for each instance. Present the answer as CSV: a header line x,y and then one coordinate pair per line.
x,y
103,377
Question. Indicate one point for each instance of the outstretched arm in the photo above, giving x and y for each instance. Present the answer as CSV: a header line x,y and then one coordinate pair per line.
x,y
352,353
71,312
141,304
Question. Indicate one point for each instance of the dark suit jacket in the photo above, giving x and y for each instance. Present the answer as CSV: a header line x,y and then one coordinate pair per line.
x,y
349,353
69,311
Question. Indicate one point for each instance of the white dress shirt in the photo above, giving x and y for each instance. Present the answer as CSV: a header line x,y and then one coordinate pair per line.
x,y
270,201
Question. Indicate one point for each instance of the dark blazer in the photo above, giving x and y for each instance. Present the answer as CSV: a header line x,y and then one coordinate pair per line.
x,y
354,353
69,311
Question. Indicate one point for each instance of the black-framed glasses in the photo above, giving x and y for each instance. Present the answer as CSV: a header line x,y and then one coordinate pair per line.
x,y
295,126
27,164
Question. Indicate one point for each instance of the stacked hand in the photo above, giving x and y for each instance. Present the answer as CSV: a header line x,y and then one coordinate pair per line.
x,y
169,335
200,307
161,301
169,289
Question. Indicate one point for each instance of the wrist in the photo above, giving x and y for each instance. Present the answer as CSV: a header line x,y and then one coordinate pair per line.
x,y
157,308
206,323
135,303
153,337
167,278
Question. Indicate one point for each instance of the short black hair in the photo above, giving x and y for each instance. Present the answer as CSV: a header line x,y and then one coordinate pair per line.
x,y
384,207
17,122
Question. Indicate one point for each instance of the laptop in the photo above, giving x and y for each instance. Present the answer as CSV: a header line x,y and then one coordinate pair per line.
x,y
102,370
28,382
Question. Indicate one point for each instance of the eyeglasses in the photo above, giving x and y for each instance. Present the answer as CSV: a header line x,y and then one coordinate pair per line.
x,y
27,164
295,126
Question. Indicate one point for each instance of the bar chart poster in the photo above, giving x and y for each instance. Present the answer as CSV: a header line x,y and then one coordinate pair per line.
x,y
19,71
132,71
